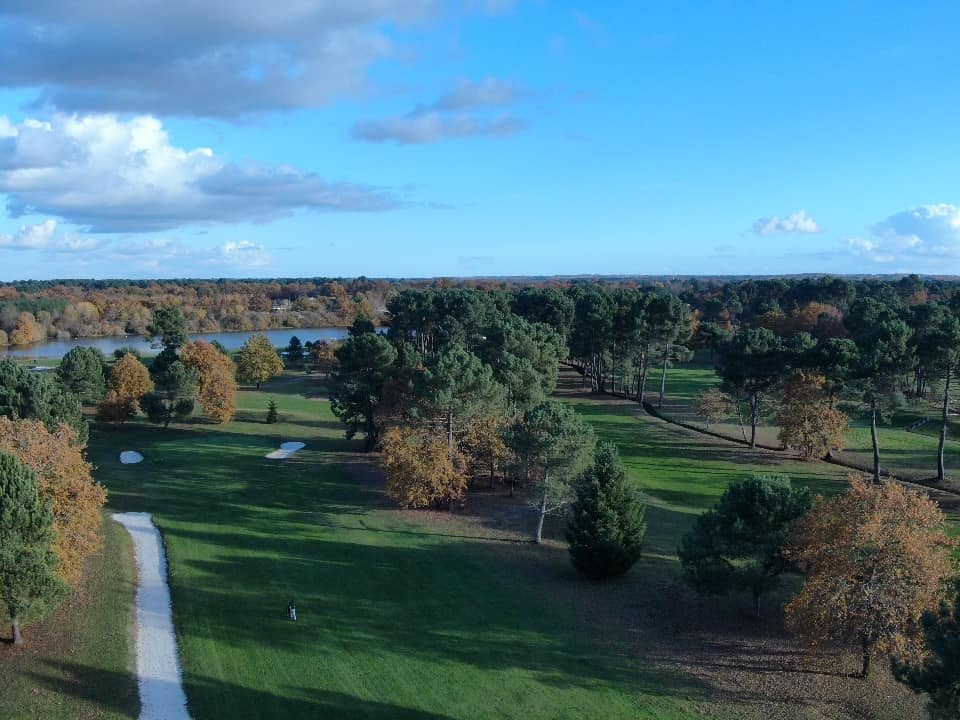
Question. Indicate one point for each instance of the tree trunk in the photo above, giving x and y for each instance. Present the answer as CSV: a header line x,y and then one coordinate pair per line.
x,y
754,418
663,375
17,637
641,392
865,668
943,427
492,474
542,513
875,441
450,431
743,430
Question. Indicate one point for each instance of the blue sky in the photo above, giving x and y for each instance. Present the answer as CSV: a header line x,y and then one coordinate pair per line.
x,y
477,137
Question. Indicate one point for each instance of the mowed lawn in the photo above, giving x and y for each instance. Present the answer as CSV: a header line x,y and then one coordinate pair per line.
x,y
903,452
78,663
398,619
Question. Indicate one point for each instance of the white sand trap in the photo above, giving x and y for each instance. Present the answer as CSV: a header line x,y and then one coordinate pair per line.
x,y
130,457
286,450
158,664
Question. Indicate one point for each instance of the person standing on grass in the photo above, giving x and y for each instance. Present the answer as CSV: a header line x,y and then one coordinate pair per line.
x,y
292,611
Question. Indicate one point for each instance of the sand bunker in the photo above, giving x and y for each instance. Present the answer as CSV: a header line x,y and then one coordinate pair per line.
x,y
286,450
158,662
130,457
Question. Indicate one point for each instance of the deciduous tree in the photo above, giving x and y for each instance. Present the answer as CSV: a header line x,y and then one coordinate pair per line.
x,y
876,560
217,379
129,378
66,478
808,421
420,471
938,674
258,361
713,405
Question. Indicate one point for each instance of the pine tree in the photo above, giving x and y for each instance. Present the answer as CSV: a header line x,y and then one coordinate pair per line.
x,y
272,414
28,582
606,528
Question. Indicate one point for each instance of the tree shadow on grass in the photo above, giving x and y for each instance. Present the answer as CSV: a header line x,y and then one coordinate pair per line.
x,y
285,702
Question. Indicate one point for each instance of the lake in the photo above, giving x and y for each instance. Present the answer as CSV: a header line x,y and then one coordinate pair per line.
x,y
56,349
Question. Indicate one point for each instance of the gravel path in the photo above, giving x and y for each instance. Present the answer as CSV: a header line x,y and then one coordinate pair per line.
x,y
158,664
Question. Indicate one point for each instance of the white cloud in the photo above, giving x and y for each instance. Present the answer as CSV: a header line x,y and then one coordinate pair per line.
x,y
458,113
798,222
421,129
244,254
928,235
29,237
113,175
219,58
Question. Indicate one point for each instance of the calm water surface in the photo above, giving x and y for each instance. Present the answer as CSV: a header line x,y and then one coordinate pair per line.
x,y
231,340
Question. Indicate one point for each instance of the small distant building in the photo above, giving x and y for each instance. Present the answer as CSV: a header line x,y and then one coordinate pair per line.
x,y
281,305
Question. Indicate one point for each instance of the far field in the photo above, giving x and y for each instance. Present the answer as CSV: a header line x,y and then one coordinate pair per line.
x,y
427,615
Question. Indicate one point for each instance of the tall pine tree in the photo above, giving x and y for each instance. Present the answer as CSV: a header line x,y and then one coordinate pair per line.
x,y
28,583
606,528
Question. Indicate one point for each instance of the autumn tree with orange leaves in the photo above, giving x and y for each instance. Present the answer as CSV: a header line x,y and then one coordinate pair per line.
x,y
65,477
808,421
421,470
217,388
876,560
129,380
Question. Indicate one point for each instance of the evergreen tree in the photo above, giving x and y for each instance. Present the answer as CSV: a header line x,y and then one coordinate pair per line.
x,y
173,397
366,361
295,351
27,395
551,445
606,528
82,371
273,415
28,583
169,326
739,544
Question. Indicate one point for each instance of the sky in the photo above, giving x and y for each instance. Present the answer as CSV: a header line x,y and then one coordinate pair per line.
x,y
419,138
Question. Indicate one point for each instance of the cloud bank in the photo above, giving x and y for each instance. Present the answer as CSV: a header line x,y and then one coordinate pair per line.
x,y
928,235
213,58
110,175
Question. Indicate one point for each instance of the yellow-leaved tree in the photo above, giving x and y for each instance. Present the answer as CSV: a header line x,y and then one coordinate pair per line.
x,y
217,387
808,421
421,470
66,478
129,380
258,360
876,560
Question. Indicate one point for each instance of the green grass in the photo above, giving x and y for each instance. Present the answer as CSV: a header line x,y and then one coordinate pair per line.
x,y
398,619
77,664
905,453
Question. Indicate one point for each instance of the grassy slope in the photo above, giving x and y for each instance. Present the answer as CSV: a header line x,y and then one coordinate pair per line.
x,y
77,663
904,452
396,620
